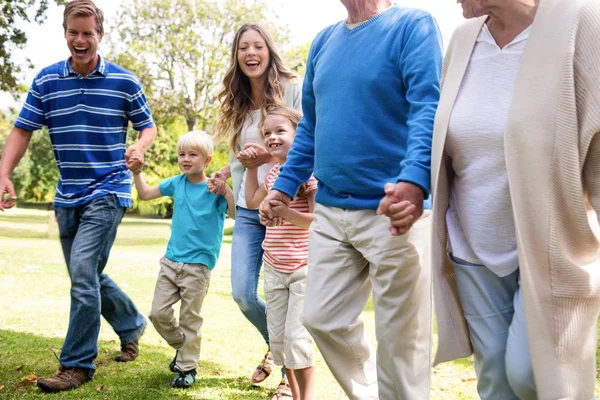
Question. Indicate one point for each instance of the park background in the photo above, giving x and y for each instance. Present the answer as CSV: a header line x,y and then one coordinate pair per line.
x,y
180,50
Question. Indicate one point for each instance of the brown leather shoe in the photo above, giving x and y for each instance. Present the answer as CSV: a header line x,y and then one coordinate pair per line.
x,y
129,351
66,379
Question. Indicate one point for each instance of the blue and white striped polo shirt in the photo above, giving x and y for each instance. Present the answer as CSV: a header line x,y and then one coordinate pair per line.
x,y
87,117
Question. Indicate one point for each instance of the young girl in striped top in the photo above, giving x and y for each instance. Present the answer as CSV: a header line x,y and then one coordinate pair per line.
x,y
286,259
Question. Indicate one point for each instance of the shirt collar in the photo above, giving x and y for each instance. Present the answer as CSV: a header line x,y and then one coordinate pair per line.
x,y
486,36
68,70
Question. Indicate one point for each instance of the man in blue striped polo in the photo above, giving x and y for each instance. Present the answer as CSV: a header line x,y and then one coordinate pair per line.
x,y
86,102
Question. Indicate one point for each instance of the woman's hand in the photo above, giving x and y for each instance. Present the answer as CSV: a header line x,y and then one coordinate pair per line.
x,y
254,155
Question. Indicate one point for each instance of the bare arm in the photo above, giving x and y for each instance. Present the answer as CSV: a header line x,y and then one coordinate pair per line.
x,y
255,193
145,192
226,171
14,149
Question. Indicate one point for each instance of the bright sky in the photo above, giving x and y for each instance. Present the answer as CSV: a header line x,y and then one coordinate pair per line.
x,y
46,44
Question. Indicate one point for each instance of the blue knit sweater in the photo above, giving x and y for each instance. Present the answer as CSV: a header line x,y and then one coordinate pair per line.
x,y
369,98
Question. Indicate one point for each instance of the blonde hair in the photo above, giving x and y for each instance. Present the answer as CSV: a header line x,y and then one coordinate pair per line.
x,y
291,114
84,8
236,96
197,140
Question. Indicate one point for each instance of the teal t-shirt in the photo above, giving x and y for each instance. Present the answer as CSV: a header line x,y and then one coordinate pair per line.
x,y
197,224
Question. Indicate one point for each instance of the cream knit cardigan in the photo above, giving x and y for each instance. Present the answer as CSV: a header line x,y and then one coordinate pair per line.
x,y
552,145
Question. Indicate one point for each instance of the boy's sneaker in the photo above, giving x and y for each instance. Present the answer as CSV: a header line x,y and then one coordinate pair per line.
x,y
173,363
184,379
66,379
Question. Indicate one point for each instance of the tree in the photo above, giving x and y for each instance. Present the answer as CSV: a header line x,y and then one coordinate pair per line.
x,y
181,50
11,38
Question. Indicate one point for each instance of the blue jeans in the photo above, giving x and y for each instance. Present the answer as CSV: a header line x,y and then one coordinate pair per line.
x,y
246,262
87,233
493,308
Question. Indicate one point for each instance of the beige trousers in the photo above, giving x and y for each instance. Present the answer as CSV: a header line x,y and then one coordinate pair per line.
x,y
189,283
291,344
352,253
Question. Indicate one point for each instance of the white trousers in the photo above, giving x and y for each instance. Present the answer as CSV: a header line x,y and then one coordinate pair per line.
x,y
352,252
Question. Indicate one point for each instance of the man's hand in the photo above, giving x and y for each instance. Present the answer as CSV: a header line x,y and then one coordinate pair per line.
x,y
402,204
135,162
134,157
254,155
8,197
216,183
266,212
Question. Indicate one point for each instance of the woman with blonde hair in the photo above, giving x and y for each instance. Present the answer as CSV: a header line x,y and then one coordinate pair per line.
x,y
515,172
257,79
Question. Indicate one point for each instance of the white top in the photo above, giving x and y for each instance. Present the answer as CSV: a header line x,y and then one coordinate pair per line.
x,y
250,134
480,217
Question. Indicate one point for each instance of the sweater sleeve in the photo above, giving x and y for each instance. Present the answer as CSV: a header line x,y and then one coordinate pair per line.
x,y
420,65
299,164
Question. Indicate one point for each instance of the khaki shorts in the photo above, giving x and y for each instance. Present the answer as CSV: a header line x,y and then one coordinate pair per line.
x,y
291,344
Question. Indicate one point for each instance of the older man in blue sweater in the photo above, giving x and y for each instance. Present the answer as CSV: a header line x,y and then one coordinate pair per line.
x,y
369,98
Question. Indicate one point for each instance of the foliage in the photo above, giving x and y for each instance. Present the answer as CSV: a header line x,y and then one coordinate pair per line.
x,y
181,49
296,58
11,38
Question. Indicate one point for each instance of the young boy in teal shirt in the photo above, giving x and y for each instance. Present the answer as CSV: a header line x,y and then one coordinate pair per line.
x,y
196,236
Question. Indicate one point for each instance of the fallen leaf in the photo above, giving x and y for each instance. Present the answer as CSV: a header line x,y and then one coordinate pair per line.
x,y
468,379
147,363
1,387
20,367
101,387
216,373
28,380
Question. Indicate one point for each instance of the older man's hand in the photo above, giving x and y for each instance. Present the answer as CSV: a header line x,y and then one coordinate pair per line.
x,y
265,211
402,204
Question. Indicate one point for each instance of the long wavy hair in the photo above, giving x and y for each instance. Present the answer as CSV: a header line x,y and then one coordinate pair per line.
x,y
236,95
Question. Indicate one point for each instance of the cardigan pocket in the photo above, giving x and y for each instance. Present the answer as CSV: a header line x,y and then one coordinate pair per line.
x,y
574,281
575,322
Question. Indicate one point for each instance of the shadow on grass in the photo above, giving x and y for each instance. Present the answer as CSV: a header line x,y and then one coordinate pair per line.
x,y
26,357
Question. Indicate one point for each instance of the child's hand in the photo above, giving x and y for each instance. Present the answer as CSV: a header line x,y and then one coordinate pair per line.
x,y
254,155
135,162
215,182
249,152
219,188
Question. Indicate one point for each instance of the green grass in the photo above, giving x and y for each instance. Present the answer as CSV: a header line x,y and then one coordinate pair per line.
x,y
34,310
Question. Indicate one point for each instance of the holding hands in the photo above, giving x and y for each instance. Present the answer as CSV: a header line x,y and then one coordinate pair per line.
x,y
134,161
217,183
403,205
134,158
274,208
254,155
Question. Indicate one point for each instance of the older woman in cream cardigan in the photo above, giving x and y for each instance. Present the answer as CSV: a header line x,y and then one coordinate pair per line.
x,y
516,190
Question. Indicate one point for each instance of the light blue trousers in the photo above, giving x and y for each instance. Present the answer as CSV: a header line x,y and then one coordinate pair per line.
x,y
493,308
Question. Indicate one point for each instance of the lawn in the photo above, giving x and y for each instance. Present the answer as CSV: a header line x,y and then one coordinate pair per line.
x,y
34,304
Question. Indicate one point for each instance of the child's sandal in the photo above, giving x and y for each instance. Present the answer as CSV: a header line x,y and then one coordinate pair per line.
x,y
264,369
283,392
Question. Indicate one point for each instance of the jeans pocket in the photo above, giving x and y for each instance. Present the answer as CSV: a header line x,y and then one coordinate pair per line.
x,y
104,210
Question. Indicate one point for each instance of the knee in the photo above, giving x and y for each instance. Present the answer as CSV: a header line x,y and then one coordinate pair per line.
x,y
243,299
160,316
315,321
519,373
